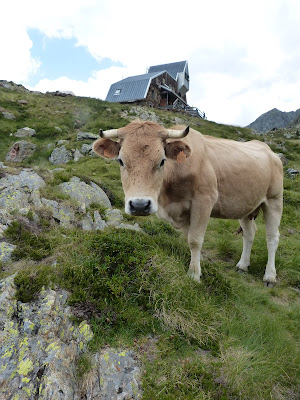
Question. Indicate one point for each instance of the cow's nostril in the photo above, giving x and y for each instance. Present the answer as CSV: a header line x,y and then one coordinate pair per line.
x,y
147,206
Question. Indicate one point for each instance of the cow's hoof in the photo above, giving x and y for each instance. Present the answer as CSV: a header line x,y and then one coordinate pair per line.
x,y
194,276
269,284
241,271
241,268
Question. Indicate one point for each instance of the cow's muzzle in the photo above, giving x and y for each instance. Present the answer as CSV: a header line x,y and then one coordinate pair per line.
x,y
140,206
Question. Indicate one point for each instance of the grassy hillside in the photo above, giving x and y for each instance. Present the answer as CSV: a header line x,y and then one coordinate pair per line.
x,y
228,337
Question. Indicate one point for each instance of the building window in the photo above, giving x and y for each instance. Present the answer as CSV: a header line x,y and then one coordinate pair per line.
x,y
118,91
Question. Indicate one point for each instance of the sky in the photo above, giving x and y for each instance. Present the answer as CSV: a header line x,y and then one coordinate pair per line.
x,y
243,56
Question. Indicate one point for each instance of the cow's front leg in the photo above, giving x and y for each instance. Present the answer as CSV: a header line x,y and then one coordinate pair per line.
x,y
200,214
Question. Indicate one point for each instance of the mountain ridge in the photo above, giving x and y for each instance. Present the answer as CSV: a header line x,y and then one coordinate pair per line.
x,y
275,119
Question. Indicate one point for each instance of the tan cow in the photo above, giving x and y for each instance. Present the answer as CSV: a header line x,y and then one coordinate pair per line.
x,y
186,178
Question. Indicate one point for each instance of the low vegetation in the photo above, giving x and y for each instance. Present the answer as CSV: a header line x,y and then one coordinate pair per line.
x,y
228,337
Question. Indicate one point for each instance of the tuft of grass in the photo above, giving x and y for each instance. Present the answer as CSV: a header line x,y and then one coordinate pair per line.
x,y
29,282
31,244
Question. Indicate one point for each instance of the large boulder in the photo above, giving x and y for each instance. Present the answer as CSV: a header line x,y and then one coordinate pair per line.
x,y
20,150
85,194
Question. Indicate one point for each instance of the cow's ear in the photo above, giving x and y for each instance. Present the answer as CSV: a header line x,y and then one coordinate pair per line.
x,y
106,148
177,150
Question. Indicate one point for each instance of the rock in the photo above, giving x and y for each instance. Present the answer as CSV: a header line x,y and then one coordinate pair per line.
x,y
65,215
25,132
119,376
87,223
87,136
8,115
134,227
57,129
77,155
144,114
178,121
87,149
24,102
26,179
63,93
283,159
20,150
293,172
39,346
12,86
113,217
60,155
6,250
85,194
99,224
62,141
19,191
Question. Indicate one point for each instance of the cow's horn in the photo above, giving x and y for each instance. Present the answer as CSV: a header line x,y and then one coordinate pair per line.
x,y
111,133
178,134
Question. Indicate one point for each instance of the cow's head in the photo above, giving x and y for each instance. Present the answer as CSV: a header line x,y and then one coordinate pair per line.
x,y
142,149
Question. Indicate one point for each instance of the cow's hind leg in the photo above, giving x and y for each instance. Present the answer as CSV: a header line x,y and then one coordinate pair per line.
x,y
272,210
249,229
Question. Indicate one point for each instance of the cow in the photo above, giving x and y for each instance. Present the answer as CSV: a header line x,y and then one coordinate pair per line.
x,y
186,178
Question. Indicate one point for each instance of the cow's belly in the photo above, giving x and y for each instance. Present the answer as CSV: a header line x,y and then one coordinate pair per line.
x,y
178,214
235,208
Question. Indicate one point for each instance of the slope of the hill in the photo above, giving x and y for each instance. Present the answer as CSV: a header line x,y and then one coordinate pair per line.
x,y
84,288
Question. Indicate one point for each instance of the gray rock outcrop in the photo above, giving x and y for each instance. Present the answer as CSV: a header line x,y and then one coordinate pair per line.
x,y
40,348
85,194
20,150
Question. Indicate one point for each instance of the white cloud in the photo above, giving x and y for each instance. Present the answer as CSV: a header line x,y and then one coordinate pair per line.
x,y
243,58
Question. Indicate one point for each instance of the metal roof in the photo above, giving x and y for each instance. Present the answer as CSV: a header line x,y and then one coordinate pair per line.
x,y
131,88
173,68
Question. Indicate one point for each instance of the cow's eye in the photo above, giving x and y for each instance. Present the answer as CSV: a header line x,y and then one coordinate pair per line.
x,y
121,162
162,162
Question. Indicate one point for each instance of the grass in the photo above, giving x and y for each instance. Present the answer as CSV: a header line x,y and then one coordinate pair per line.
x,y
228,337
